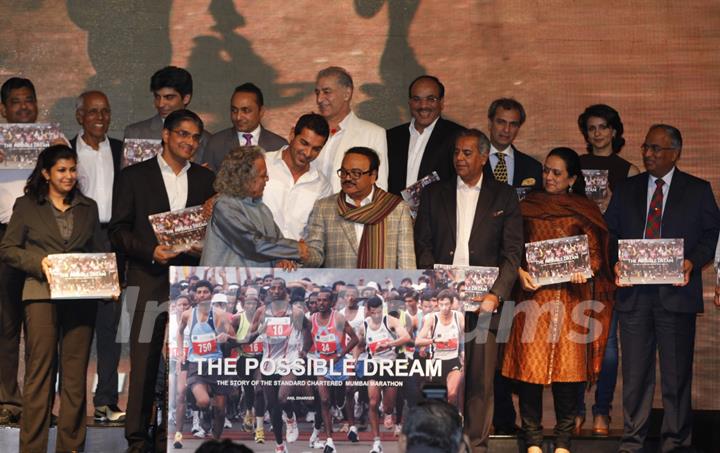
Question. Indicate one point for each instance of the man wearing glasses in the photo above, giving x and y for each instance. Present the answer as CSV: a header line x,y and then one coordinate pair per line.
x,y
426,143
168,182
662,202
362,226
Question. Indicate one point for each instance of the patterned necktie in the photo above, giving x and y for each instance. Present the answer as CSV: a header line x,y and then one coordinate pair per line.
x,y
500,171
654,217
248,139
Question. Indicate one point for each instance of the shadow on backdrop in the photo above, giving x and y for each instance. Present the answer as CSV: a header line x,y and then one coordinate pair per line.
x,y
127,43
224,62
387,103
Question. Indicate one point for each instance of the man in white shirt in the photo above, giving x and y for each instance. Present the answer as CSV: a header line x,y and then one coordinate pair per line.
x,y
246,113
98,161
294,184
474,221
333,93
426,143
19,105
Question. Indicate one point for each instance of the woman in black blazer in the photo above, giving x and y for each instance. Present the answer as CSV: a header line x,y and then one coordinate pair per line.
x,y
53,217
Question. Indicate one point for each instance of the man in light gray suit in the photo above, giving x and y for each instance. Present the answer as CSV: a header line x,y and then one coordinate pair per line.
x,y
172,89
246,112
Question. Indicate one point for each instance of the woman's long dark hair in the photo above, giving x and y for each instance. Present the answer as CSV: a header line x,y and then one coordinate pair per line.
x,y
37,186
572,164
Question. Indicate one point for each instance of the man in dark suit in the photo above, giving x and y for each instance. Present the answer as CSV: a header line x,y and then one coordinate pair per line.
x,y
172,89
161,184
99,159
426,143
246,113
475,221
662,202
506,163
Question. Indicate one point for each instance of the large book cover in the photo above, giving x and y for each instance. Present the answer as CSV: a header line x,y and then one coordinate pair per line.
x,y
83,276
556,260
20,144
136,150
477,281
180,229
651,261
309,373
411,194
596,184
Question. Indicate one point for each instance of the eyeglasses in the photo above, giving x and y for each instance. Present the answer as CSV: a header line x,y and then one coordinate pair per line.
x,y
430,99
185,134
654,148
354,173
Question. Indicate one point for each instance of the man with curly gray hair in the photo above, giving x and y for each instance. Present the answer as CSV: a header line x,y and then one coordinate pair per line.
x,y
242,231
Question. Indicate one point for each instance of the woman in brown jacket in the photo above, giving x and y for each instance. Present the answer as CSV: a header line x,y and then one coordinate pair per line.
x,y
53,217
550,343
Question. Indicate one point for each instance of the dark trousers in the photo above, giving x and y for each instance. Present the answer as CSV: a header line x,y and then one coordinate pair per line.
x,y
644,330
605,387
480,360
108,352
46,324
531,409
11,315
504,415
147,335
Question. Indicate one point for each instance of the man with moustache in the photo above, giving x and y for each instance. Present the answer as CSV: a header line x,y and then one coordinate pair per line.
x,y
246,112
425,144
474,221
507,164
662,202
333,93
172,90
294,184
167,182
19,105
99,159
361,226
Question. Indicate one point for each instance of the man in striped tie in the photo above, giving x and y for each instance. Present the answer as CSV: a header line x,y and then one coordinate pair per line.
x,y
662,202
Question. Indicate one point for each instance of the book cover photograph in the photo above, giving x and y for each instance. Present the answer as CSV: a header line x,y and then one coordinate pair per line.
x,y
596,184
651,261
83,276
284,336
556,260
411,194
20,144
136,150
180,229
476,281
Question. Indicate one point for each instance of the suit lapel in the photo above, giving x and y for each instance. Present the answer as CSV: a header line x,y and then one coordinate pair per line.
x,y
641,208
81,214
487,193
349,229
674,200
157,185
46,213
449,203
402,158
429,157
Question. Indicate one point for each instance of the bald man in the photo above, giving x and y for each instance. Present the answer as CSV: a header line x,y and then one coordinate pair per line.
x,y
98,162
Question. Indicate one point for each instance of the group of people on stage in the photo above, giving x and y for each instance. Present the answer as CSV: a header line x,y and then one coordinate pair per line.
x,y
328,196
278,334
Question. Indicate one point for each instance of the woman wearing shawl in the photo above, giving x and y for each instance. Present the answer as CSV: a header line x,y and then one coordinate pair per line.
x,y
550,343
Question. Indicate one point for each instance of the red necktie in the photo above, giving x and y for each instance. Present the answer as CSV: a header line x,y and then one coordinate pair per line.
x,y
654,218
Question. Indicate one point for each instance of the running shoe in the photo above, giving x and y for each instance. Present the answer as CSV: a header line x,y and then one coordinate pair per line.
x,y
329,446
260,436
377,447
292,431
178,440
352,434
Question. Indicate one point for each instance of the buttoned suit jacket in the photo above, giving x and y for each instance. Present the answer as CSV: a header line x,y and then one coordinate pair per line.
x,y
358,132
690,213
437,156
227,139
33,234
525,169
333,243
151,129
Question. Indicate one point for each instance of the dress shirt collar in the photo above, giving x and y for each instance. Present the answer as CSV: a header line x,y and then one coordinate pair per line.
x,y
365,201
344,124
166,168
427,130
80,143
462,186
667,179
509,151
255,136
276,158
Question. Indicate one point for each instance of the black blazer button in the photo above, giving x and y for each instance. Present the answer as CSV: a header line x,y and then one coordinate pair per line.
x,y
452,252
